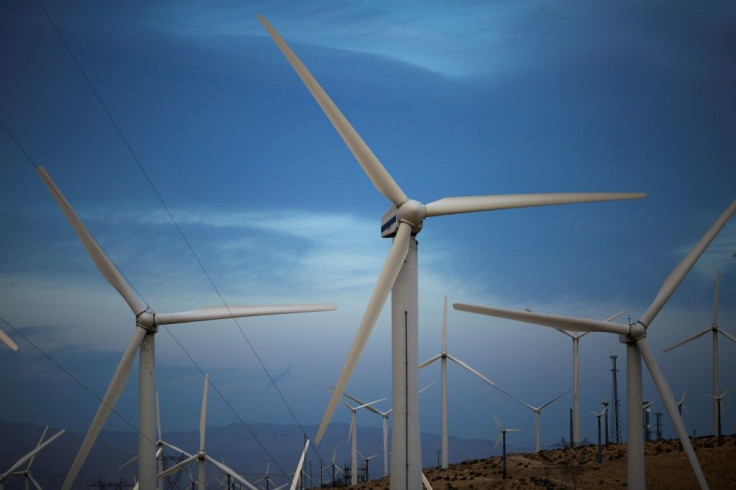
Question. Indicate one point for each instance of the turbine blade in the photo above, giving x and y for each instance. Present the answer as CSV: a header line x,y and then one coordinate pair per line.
x,y
299,467
391,269
35,483
498,423
678,274
727,335
371,166
430,361
498,439
203,413
221,312
101,260
669,402
425,482
556,398
365,405
613,317
118,382
466,366
178,450
689,339
471,204
178,466
567,323
128,463
40,440
229,471
444,327
425,388
530,407
31,454
5,339
715,298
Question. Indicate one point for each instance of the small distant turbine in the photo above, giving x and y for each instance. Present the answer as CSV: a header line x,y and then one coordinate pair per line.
x,y
502,436
575,337
353,438
30,456
719,411
598,417
637,348
715,329
384,415
201,456
443,356
146,326
537,412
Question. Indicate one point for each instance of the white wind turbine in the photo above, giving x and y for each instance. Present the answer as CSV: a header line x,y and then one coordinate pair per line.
x,y
502,436
146,326
637,348
715,329
201,456
334,466
598,417
443,356
537,411
402,222
30,456
575,337
353,437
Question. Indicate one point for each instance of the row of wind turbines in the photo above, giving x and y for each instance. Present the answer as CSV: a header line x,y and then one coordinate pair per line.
x,y
402,222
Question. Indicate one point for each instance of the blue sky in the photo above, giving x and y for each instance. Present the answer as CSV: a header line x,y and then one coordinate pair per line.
x,y
466,99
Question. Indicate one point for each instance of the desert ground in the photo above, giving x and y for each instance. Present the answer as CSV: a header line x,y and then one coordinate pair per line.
x,y
666,468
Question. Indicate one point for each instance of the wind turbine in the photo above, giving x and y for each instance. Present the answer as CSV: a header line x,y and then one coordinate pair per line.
x,y
537,412
719,410
443,356
715,329
637,348
647,410
576,336
366,460
598,417
384,415
335,467
201,457
146,326
502,436
30,456
403,220
5,339
353,438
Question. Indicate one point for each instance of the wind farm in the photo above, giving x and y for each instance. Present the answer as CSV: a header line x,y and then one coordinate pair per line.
x,y
198,168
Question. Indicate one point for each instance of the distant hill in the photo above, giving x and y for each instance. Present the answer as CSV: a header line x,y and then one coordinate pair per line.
x,y
245,449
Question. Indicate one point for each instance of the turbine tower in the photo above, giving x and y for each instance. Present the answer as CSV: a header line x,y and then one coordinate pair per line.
x,y
443,356
598,417
146,326
615,401
715,329
402,222
637,348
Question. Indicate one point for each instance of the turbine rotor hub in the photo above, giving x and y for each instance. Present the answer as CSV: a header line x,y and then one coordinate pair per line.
x,y
146,320
410,212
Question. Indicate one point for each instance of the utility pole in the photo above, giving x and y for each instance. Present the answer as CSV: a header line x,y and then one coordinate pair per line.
x,y
659,426
615,402
572,430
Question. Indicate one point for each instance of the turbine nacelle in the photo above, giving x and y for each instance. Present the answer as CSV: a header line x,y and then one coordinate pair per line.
x,y
147,320
410,212
637,331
